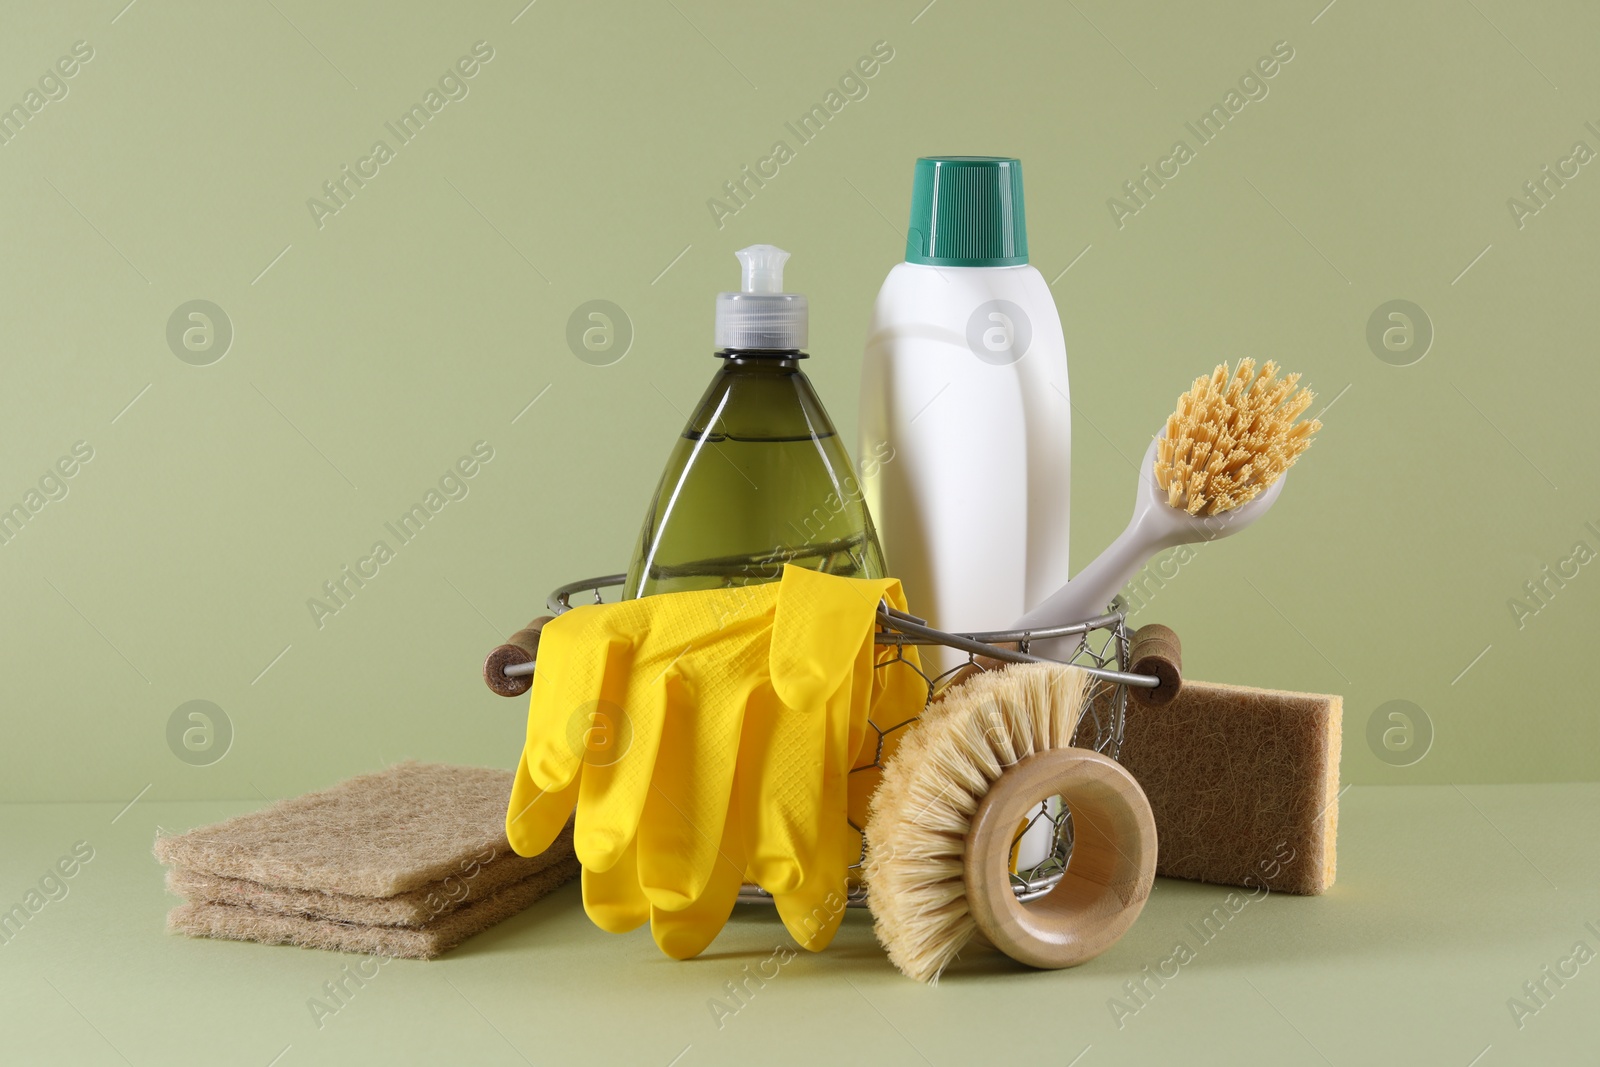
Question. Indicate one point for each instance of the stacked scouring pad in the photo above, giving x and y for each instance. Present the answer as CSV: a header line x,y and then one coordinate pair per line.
x,y
409,861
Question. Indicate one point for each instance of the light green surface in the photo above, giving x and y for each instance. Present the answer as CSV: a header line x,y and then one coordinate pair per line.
x,y
427,314
1447,902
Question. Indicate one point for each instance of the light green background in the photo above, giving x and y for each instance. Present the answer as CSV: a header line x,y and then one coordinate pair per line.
x,y
430,311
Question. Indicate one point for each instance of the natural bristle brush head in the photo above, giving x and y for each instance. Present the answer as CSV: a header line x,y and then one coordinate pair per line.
x,y
1231,436
1216,468
943,825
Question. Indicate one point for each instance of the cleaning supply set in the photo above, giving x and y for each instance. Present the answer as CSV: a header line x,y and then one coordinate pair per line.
x,y
999,809
761,717
756,692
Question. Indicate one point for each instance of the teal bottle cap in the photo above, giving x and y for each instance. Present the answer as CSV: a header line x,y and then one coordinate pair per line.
x,y
966,211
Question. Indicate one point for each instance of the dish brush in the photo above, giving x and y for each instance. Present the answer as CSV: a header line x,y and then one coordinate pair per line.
x,y
944,823
1217,467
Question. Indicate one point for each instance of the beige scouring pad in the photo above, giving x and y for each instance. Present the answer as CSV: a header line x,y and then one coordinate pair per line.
x,y
414,907
242,923
374,835
1244,784
408,862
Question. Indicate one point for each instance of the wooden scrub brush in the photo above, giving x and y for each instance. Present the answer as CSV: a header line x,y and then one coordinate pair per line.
x,y
944,824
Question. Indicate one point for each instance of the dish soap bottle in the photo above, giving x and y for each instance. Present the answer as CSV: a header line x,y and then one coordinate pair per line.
x,y
964,383
759,477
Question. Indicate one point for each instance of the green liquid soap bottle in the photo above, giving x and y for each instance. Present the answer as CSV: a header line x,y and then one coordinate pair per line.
x,y
759,477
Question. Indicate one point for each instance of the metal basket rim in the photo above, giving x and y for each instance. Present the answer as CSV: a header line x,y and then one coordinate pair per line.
x,y
902,628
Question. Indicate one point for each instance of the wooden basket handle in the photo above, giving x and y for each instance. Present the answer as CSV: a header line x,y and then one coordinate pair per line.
x,y
1155,650
521,647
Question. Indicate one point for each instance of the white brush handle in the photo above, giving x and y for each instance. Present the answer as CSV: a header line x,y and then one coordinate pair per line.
x,y
1090,593
1155,525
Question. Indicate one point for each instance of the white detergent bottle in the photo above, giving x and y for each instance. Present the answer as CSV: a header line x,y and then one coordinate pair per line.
x,y
964,399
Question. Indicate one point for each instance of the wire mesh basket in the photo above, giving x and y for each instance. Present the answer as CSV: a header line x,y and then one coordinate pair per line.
x,y
1042,846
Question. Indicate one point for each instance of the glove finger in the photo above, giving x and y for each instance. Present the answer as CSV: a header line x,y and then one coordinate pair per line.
x,y
685,815
822,644
897,689
813,912
584,659
781,760
862,685
683,630
613,899
861,749
686,933
617,774
535,817
817,628
843,713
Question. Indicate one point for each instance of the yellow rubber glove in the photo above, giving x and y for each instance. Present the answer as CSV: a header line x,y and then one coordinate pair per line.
x,y
820,628
812,909
698,735
895,694
613,899
686,932
617,903
647,745
822,650
615,683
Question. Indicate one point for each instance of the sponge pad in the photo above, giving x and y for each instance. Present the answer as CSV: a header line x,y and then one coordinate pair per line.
x,y
1244,784
481,877
243,923
409,861
374,835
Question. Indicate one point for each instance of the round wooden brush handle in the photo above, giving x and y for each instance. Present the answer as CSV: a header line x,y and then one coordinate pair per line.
x,y
1155,651
1108,876
521,647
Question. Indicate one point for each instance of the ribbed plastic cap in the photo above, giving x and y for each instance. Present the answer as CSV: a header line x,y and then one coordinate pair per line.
x,y
966,211
761,316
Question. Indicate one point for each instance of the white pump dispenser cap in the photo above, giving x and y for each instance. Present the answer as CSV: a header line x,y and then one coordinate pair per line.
x,y
762,316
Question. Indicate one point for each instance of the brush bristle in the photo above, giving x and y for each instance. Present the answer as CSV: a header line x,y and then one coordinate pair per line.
x,y
1231,437
920,814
